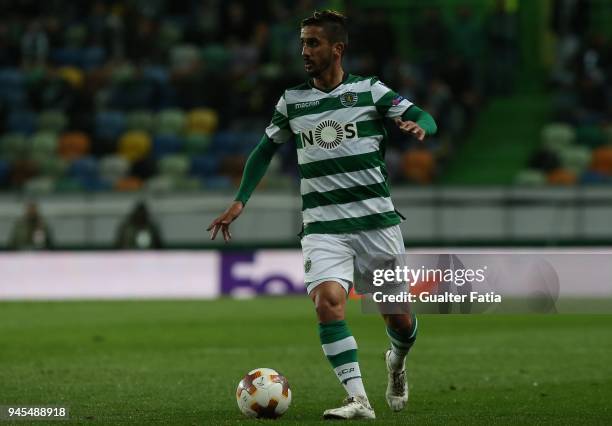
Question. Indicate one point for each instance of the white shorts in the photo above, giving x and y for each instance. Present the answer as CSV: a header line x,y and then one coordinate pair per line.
x,y
331,257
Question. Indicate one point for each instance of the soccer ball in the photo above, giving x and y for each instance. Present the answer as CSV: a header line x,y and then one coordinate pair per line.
x,y
263,393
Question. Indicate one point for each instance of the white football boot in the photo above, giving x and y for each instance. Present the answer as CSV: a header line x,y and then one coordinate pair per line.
x,y
397,387
353,407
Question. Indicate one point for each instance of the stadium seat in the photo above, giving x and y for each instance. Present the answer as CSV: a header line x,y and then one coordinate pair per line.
x,y
562,177
592,136
160,184
418,166
113,168
68,184
22,122
134,145
530,177
197,143
5,169
170,121
13,146
75,35
174,165
66,56
591,177
40,185
217,183
11,77
109,125
204,165
170,33
72,75
84,168
202,120
73,145
13,97
123,73
167,144
128,184
92,57
50,164
556,135
183,56
52,120
575,158
43,143
188,183
601,161
140,120
216,56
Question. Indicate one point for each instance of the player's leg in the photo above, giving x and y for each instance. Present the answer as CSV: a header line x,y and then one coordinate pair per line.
x,y
402,331
340,348
328,265
401,325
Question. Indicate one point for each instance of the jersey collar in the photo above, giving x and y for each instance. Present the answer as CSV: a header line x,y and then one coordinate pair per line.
x,y
345,77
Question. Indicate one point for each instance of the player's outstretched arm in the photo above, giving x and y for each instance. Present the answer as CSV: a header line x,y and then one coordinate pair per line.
x,y
417,123
254,170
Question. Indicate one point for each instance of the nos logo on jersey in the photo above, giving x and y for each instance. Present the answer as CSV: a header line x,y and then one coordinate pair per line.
x,y
329,134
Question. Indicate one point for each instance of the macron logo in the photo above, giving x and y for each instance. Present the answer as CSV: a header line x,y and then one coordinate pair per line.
x,y
307,104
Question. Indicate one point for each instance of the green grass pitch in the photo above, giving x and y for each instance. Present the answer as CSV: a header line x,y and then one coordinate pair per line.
x,y
178,362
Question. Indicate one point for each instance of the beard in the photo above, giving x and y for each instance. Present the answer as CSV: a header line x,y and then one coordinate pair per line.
x,y
316,69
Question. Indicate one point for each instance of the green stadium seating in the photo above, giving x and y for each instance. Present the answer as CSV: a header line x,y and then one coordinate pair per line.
x,y
39,185
529,177
52,120
197,143
170,121
13,146
44,143
174,165
140,120
575,158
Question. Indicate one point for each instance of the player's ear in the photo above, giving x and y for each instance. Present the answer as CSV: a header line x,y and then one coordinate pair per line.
x,y
339,48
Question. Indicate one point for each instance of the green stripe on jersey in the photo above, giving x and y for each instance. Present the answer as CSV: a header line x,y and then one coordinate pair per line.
x,y
332,166
344,195
326,104
280,120
363,223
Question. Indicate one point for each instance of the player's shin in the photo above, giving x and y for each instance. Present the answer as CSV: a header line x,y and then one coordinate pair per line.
x,y
401,342
340,348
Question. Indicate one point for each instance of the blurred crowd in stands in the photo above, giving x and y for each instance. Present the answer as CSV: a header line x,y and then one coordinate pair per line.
x,y
577,144
172,95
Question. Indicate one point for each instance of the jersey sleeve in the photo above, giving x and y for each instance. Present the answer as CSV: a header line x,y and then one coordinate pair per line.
x,y
279,131
388,103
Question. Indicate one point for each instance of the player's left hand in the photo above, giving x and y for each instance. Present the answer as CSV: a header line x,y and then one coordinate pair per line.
x,y
223,222
411,128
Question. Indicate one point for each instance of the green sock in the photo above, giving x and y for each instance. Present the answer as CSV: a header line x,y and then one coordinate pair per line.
x,y
340,348
401,342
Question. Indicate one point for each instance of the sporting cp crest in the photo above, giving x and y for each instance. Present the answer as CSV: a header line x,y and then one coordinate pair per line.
x,y
307,265
348,99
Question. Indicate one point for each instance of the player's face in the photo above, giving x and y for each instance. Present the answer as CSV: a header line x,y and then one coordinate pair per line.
x,y
317,51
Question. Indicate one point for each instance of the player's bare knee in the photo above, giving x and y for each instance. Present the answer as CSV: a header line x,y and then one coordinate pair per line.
x,y
329,309
401,323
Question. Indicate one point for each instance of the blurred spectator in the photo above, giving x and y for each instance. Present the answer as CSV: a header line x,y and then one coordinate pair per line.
x,y
34,45
431,39
30,232
502,38
139,231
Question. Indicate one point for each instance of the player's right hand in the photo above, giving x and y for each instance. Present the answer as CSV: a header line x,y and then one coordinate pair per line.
x,y
223,222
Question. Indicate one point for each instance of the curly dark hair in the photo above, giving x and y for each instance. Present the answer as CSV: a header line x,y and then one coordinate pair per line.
x,y
332,22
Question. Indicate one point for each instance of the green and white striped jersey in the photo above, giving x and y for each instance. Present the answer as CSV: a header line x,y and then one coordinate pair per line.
x,y
340,140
